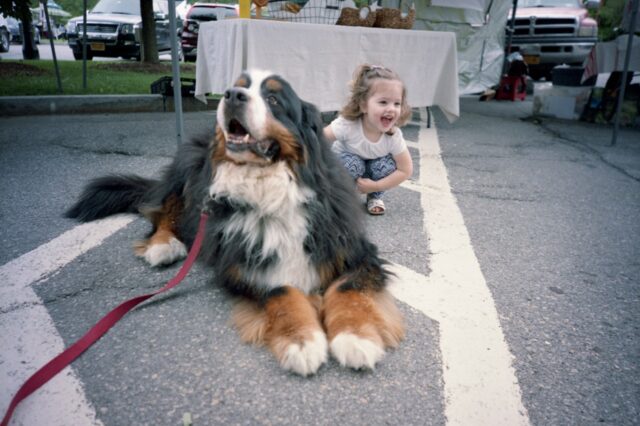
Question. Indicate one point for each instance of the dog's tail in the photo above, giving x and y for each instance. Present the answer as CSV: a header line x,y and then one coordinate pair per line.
x,y
109,195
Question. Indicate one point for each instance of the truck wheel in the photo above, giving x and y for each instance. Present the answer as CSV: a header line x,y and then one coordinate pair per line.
x,y
78,56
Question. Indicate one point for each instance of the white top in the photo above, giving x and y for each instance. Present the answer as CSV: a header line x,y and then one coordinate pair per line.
x,y
350,138
318,60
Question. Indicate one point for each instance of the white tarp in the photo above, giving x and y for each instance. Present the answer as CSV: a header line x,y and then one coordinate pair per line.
x,y
480,32
480,5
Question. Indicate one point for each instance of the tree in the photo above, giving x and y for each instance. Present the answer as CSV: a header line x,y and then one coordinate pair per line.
x,y
20,10
149,46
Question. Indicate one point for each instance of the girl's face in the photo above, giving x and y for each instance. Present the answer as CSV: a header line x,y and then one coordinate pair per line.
x,y
383,108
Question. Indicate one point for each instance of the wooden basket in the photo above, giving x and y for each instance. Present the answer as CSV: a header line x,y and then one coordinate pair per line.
x,y
353,17
392,18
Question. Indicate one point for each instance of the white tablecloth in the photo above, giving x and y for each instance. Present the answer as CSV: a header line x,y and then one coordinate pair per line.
x,y
319,60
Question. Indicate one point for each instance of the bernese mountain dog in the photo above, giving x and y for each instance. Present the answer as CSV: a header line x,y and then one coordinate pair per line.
x,y
286,230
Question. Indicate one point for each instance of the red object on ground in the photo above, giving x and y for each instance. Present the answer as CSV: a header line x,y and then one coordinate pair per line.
x,y
512,88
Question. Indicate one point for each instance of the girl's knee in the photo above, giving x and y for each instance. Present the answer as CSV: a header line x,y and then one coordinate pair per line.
x,y
355,165
382,167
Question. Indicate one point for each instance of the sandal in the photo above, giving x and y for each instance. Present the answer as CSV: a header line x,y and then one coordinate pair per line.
x,y
375,206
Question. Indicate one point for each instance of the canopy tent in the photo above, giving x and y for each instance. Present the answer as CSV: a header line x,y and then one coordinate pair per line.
x,y
478,5
53,8
480,31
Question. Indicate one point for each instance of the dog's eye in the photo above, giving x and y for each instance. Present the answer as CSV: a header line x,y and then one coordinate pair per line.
x,y
272,100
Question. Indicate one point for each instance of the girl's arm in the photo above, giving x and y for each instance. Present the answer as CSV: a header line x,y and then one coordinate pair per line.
x,y
328,133
404,170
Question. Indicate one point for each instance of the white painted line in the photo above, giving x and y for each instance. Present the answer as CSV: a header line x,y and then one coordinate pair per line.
x,y
480,384
28,336
411,185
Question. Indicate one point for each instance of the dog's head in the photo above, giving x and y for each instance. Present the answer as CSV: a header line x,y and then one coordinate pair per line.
x,y
261,120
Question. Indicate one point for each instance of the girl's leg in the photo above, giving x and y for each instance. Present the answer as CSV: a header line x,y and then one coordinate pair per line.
x,y
379,168
355,165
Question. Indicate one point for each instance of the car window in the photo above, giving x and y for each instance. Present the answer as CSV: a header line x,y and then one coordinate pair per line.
x,y
124,7
128,7
211,13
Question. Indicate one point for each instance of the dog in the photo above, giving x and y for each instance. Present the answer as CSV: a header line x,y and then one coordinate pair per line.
x,y
285,234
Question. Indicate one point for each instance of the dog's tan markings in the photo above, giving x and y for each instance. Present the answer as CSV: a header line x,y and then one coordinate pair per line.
x,y
242,82
360,325
273,85
252,320
219,152
327,272
290,149
164,246
234,273
289,325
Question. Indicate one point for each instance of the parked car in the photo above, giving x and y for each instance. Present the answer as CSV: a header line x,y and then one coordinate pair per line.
x,y
5,35
16,34
201,12
553,32
113,29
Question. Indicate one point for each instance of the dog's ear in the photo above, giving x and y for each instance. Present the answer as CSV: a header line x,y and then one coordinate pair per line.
x,y
312,119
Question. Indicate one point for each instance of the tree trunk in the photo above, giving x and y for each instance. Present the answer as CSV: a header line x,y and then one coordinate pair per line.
x,y
29,48
149,46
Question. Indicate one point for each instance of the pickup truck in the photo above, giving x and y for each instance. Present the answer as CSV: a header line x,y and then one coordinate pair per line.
x,y
553,32
113,29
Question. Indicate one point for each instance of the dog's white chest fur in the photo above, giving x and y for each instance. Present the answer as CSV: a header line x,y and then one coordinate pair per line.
x,y
276,224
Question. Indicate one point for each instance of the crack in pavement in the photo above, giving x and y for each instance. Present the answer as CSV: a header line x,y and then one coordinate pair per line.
x,y
585,149
110,151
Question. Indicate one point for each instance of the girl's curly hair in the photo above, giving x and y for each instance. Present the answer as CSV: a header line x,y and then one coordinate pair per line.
x,y
363,78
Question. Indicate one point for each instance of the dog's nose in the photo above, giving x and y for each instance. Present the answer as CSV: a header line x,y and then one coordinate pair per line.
x,y
235,96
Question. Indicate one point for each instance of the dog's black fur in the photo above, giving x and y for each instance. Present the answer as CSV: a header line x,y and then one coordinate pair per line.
x,y
335,241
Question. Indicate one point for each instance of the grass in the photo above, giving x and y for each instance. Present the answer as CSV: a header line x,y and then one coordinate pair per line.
x,y
37,78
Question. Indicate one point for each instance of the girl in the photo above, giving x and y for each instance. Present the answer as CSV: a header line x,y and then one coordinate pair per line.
x,y
369,142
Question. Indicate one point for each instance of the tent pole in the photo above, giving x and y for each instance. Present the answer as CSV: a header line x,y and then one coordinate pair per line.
x,y
627,57
84,45
511,30
53,49
177,89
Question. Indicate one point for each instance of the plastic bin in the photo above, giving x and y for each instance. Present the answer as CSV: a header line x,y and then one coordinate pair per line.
x,y
566,76
164,86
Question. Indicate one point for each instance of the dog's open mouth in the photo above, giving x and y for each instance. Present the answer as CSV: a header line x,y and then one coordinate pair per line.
x,y
239,140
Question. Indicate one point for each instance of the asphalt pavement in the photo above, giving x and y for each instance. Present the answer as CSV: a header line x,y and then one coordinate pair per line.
x,y
516,244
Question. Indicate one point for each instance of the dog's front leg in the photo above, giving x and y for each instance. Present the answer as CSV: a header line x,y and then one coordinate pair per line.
x,y
361,322
163,247
289,324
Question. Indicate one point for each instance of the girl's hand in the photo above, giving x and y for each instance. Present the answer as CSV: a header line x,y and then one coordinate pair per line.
x,y
365,186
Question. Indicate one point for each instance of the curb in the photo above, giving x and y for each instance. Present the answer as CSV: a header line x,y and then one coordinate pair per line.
x,y
11,106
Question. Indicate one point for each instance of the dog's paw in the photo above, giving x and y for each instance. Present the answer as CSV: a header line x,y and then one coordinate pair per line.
x,y
356,352
307,357
164,254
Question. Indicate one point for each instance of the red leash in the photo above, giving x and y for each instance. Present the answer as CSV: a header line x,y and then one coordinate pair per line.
x,y
58,363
